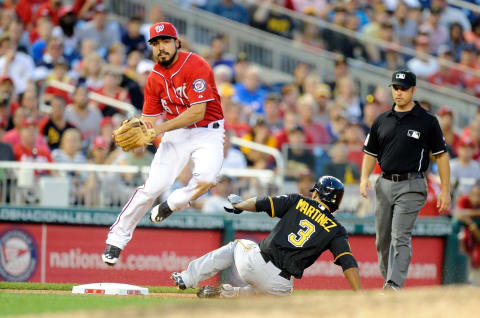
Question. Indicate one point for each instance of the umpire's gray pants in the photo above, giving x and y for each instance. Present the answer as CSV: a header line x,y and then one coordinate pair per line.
x,y
397,207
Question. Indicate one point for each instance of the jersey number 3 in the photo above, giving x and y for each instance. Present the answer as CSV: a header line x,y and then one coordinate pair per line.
x,y
299,239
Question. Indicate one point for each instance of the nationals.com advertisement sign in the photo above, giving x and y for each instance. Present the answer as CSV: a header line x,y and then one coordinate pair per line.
x,y
72,254
62,253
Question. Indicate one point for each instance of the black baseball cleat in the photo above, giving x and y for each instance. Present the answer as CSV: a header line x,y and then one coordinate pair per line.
x,y
209,292
391,286
178,280
160,212
111,255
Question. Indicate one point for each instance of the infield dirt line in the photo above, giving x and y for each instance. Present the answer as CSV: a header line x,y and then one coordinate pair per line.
x,y
68,292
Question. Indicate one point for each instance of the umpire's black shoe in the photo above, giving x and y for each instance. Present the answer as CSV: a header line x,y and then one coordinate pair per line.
x,y
111,255
391,286
160,212
178,280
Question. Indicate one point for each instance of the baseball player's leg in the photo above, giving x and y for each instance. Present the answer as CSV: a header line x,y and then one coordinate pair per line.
x,y
207,158
262,277
383,223
165,167
405,212
208,265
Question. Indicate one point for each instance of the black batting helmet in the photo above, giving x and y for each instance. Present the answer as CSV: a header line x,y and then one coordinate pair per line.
x,y
330,191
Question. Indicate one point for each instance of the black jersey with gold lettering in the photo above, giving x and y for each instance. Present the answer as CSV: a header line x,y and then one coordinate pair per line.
x,y
305,231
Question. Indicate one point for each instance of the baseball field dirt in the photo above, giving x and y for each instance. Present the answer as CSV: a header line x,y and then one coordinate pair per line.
x,y
458,302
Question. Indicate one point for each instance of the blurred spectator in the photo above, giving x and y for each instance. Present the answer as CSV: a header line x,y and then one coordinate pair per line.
x,y
445,75
336,41
338,122
289,98
272,113
354,137
49,8
463,166
138,157
106,131
450,15
102,31
437,33
322,95
111,88
340,71
27,149
129,79
249,93
310,35
235,119
385,33
13,135
218,56
468,212
300,158
16,65
116,55
456,40
52,54
155,14
91,71
305,180
310,84
86,118
425,104
290,121
346,95
393,59
44,33
133,39
472,132
267,18
70,150
233,158
66,32
259,134
307,108
240,67
473,37
59,73
144,68
370,111
8,98
17,32
422,65
301,72
29,102
445,116
85,9
215,202
317,8
339,166
6,154
404,28
229,9
54,126
223,74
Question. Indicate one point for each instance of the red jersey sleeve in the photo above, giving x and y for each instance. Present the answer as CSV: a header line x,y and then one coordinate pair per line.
x,y
152,105
200,82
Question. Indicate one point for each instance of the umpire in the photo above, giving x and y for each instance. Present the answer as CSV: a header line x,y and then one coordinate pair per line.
x,y
401,140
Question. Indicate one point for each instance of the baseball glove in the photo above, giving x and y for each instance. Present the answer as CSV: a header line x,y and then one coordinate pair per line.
x,y
134,132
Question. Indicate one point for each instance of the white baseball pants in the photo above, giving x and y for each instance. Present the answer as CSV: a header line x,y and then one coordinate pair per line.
x,y
259,276
203,145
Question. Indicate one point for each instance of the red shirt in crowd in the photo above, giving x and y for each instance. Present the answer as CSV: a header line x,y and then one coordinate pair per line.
x,y
189,81
37,154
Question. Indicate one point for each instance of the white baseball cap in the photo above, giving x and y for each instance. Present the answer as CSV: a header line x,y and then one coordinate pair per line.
x,y
145,66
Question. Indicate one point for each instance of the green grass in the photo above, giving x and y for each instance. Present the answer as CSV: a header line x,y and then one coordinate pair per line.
x,y
32,303
22,304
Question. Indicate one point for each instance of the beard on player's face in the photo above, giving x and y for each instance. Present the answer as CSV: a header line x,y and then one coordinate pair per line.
x,y
165,58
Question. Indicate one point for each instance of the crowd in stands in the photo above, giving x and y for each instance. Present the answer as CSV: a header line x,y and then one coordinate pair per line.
x,y
433,27
318,124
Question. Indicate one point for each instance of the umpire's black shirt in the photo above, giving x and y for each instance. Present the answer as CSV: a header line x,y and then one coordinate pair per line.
x,y
402,141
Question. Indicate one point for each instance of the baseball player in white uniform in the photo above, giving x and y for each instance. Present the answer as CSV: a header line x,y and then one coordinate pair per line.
x,y
182,87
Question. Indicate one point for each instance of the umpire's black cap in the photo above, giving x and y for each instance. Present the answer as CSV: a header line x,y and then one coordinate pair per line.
x,y
404,77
